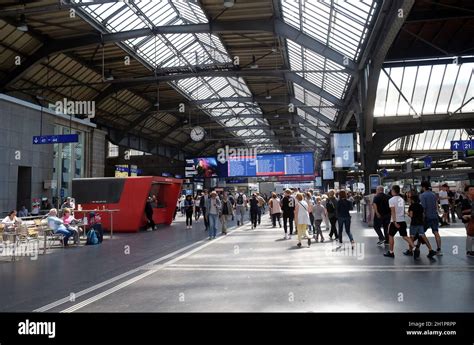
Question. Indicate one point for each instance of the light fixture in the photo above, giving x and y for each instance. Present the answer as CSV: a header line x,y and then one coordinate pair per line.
x,y
109,75
22,26
268,96
277,116
254,63
229,3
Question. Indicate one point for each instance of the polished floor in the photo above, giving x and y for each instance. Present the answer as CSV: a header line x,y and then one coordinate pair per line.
x,y
179,270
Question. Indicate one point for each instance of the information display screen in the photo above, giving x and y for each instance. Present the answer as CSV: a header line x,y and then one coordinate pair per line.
x,y
201,167
273,164
374,182
328,173
343,148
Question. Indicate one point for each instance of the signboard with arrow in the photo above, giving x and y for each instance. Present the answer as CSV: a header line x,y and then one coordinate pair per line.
x,y
462,145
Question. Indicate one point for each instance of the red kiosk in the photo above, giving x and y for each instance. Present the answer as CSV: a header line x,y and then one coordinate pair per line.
x,y
128,194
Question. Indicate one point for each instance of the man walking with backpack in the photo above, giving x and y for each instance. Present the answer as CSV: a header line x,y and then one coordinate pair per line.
x,y
240,207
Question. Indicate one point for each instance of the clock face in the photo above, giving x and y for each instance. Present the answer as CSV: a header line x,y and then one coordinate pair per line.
x,y
197,133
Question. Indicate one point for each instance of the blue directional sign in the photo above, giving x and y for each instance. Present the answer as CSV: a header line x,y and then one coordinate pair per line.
x,y
462,145
55,139
428,160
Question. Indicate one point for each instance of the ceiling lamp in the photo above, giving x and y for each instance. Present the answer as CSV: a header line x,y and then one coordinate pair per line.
x,y
22,26
109,76
229,3
268,96
254,63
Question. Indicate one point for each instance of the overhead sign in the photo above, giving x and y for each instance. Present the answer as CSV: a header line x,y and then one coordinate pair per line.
x,y
428,160
55,139
343,148
462,145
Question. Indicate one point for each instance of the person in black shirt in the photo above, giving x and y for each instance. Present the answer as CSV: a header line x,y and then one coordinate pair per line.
x,y
381,215
343,216
149,214
254,210
288,208
417,229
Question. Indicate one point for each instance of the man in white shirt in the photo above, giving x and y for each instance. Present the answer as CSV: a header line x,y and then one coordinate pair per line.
x,y
398,224
444,203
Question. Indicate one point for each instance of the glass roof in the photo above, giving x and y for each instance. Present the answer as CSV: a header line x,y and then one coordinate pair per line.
x,y
430,89
181,50
340,25
427,141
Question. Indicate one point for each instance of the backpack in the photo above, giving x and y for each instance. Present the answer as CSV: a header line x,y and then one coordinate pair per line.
x,y
92,237
240,199
330,206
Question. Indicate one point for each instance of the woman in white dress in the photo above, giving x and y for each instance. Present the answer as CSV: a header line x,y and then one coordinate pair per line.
x,y
302,219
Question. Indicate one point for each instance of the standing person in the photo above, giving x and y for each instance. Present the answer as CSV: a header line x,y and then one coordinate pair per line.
x,y
398,224
309,201
452,205
203,205
181,205
288,208
467,211
149,214
66,203
240,207
417,230
430,206
232,201
331,208
302,219
213,209
343,216
226,212
188,210
275,210
327,224
357,199
444,203
382,215
254,210
319,213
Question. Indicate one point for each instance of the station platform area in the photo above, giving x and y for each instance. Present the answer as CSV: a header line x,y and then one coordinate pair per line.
x,y
175,269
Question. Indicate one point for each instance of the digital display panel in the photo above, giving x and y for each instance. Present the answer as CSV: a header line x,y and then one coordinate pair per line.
x,y
201,167
318,182
328,173
374,182
273,164
343,149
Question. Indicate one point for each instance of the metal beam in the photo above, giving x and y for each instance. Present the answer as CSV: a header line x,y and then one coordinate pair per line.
x,y
277,26
425,122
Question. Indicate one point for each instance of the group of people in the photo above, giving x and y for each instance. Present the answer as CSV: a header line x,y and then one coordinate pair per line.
x,y
390,214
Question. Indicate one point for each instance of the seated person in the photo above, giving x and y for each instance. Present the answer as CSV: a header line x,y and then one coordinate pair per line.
x,y
69,221
23,212
95,222
11,221
56,224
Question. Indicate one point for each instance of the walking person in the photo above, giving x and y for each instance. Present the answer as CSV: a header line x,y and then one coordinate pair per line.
x,y
467,212
213,209
343,216
240,207
197,209
397,224
288,208
261,207
149,214
417,230
188,210
319,213
382,215
226,212
275,210
202,205
327,224
444,203
430,207
309,201
331,208
254,210
302,219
